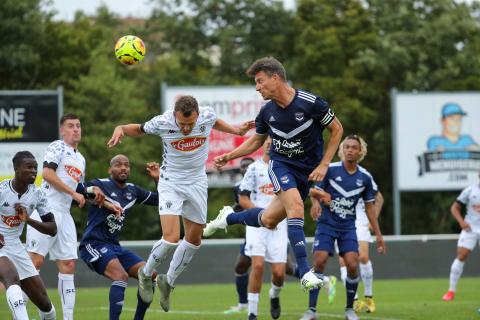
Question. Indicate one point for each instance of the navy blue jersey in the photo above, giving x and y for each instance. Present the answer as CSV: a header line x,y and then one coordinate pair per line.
x,y
346,190
102,224
296,130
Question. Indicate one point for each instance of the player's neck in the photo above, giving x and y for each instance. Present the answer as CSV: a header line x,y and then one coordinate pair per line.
x,y
453,137
18,186
351,167
284,96
266,158
120,184
74,145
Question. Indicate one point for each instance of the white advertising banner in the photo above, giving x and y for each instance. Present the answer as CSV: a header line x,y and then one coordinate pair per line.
x,y
437,140
233,104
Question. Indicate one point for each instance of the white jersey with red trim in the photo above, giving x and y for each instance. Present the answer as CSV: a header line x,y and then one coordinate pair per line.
x,y
257,182
470,197
70,169
11,226
184,156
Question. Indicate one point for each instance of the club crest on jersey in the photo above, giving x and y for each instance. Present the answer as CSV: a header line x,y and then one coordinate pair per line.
x,y
299,116
11,221
74,172
359,182
188,144
128,195
284,179
202,128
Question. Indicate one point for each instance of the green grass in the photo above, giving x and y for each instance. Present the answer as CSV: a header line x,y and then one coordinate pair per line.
x,y
396,299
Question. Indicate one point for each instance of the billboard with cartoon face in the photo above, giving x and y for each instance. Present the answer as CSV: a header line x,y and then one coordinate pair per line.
x,y
436,140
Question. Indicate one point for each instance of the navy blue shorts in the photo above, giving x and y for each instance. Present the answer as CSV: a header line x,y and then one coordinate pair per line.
x,y
98,254
325,240
284,177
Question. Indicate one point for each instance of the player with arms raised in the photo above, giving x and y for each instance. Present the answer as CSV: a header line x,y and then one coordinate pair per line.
x,y
295,119
182,188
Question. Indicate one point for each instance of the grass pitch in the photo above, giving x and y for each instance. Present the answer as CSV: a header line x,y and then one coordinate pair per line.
x,y
395,299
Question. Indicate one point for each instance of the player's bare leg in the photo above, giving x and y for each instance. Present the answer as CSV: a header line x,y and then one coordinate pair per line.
x,y
35,289
9,278
278,277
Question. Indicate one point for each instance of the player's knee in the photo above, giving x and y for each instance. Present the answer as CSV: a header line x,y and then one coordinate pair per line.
x,y
44,303
278,276
363,258
257,267
462,256
37,261
269,222
242,265
172,237
10,277
67,266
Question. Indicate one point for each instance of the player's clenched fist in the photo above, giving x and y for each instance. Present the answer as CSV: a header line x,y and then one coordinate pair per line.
x,y
221,160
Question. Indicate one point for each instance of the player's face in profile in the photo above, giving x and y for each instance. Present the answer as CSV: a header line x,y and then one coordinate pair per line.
x,y
265,84
186,124
26,171
453,124
71,131
351,150
120,169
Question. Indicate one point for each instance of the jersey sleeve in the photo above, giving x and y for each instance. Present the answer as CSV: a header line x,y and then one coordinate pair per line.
x,y
42,203
261,126
248,181
368,195
157,125
210,116
54,153
463,197
146,197
322,112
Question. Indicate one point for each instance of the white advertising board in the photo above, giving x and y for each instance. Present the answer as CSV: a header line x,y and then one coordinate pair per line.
x,y
436,140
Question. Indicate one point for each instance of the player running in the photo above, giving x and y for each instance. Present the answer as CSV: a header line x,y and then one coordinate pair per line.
x,y
100,248
19,197
63,170
344,184
295,120
182,187
469,199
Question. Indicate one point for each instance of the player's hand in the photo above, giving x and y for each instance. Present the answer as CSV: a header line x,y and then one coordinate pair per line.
x,y
117,137
319,173
244,127
21,212
325,198
220,161
99,196
79,198
153,169
465,226
315,211
381,247
2,241
114,208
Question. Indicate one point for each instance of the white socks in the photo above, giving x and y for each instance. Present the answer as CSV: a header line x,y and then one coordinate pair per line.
x,y
66,290
366,272
253,303
16,303
455,273
274,291
181,258
50,315
161,249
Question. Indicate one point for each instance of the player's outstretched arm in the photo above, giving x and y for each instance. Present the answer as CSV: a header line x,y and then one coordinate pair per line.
x,y
223,126
248,146
46,226
336,132
132,130
372,218
315,209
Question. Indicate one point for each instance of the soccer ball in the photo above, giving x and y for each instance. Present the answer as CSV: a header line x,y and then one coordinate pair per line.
x,y
130,50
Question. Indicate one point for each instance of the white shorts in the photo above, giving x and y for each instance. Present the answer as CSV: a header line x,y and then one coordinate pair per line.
x,y
63,246
468,239
271,244
15,251
187,200
363,233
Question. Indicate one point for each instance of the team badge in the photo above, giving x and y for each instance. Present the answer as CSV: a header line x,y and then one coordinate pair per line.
x,y
168,204
299,116
359,182
128,195
103,250
285,179
202,128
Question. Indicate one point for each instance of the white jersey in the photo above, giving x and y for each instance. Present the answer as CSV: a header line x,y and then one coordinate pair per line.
x,y
11,226
361,214
257,182
470,197
70,169
184,156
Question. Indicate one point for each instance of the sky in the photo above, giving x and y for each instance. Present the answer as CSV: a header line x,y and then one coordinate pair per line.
x,y
135,8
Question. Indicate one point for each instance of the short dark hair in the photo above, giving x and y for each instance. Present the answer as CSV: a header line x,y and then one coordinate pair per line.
x,y
68,116
269,65
186,105
21,156
246,160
